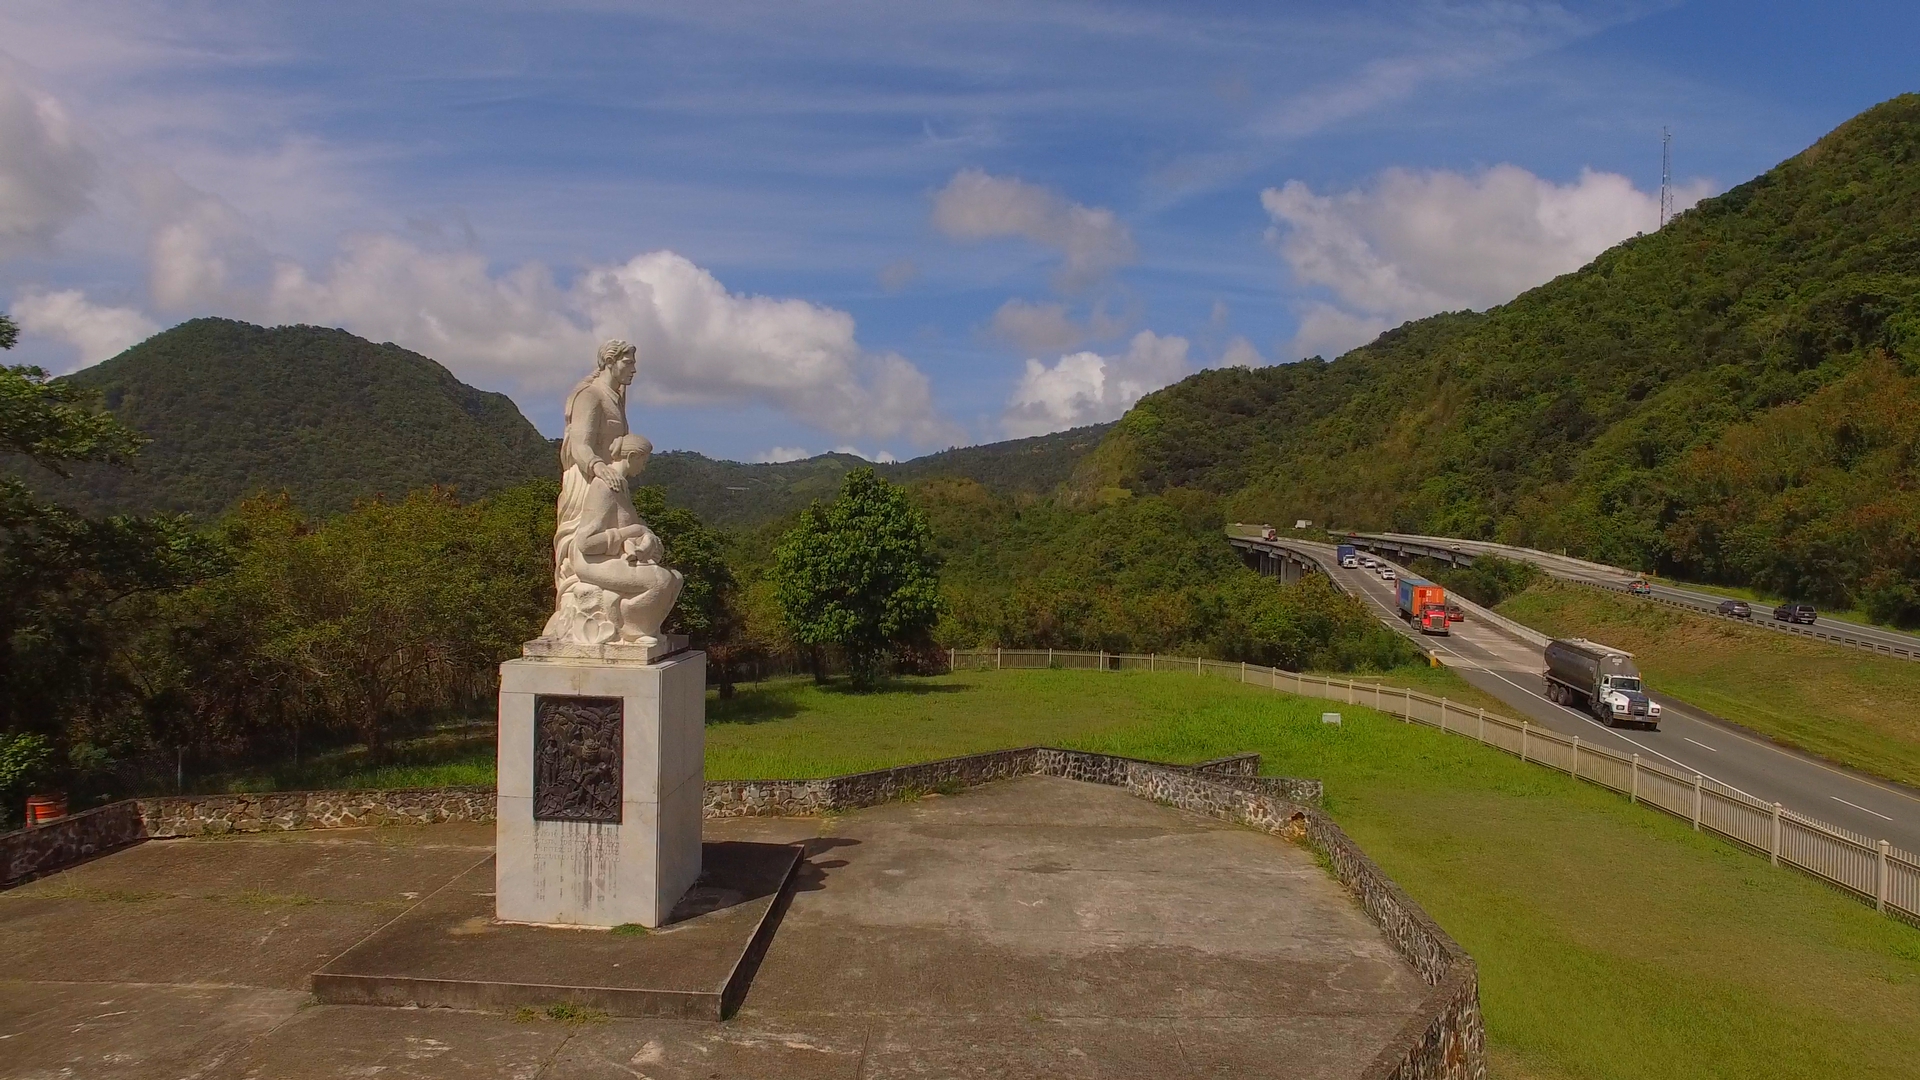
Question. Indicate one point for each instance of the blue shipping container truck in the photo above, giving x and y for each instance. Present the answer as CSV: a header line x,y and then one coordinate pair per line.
x,y
1347,555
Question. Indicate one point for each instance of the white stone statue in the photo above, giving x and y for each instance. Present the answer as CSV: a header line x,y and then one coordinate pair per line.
x,y
609,586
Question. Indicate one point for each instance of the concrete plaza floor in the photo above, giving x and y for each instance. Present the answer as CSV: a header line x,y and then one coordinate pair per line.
x,y
1032,927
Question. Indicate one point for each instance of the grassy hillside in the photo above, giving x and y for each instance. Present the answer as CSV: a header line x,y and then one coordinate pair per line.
x,y
735,494
235,409
1728,399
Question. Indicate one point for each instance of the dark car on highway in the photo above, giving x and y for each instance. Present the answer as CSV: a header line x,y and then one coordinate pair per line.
x,y
1735,609
1796,613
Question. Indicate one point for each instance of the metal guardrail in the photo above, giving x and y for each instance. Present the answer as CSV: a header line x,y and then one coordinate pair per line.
x,y
1875,871
1772,624
1371,540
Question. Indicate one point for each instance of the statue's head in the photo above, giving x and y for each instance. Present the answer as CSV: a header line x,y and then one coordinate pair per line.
x,y
621,357
632,451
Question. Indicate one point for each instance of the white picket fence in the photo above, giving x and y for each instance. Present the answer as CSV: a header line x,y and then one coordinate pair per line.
x,y
1885,876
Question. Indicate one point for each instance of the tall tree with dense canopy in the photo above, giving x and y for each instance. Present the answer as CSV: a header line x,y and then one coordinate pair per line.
x,y
860,573
63,574
706,610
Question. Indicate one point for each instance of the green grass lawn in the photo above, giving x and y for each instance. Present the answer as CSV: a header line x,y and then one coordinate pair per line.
x,y
1845,705
1439,682
1613,941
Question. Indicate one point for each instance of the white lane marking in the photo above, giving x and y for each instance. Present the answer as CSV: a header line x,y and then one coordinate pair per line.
x,y
1857,806
1702,745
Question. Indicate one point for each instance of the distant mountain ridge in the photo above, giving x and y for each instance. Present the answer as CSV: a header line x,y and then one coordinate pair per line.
x,y
735,494
234,410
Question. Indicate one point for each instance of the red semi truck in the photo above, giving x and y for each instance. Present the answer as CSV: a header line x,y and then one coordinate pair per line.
x,y
1423,604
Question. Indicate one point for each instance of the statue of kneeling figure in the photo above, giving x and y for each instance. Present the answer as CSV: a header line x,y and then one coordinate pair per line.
x,y
617,590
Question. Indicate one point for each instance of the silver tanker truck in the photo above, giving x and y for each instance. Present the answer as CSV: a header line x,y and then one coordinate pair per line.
x,y
1601,679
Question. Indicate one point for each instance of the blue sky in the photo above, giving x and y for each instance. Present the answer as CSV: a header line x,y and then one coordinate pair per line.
x,y
877,226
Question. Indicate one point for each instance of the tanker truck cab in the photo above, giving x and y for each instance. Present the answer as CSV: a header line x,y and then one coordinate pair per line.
x,y
1600,679
1624,700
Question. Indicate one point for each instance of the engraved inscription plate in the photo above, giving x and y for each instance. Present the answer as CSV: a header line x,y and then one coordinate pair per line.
x,y
576,758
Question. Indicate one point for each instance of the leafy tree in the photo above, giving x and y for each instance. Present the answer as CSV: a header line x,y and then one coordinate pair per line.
x,y
1487,582
1133,574
706,610
66,579
23,760
861,574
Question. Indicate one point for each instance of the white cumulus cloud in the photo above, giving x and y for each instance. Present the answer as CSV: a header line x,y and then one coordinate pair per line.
x,y
698,343
46,170
1088,388
1241,353
96,331
780,454
978,206
1418,242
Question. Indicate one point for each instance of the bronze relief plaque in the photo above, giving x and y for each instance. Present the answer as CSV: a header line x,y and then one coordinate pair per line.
x,y
577,758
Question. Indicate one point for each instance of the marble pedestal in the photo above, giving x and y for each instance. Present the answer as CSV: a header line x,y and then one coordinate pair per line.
x,y
601,769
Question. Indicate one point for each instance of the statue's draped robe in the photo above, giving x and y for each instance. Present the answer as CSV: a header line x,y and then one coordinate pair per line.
x,y
596,415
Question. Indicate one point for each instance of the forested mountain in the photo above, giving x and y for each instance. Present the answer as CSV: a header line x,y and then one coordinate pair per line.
x,y
734,494
1730,398
234,409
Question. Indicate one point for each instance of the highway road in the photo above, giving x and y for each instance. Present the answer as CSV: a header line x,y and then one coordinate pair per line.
x,y
1613,577
1509,669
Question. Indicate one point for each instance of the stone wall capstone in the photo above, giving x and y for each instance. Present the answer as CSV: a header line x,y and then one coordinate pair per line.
x,y
281,811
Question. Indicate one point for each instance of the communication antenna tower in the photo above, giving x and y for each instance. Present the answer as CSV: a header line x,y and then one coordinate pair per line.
x,y
1666,176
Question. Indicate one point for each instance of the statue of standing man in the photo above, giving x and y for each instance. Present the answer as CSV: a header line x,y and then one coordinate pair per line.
x,y
608,582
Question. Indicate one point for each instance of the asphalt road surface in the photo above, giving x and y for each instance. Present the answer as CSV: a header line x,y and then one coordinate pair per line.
x,y
1509,669
1570,569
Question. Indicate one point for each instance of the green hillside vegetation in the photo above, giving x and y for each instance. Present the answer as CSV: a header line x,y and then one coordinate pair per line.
x,y
1729,399
733,494
233,410
1152,574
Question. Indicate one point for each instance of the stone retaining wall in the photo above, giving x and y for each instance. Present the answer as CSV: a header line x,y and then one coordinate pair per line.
x,y
45,849
1448,1039
280,811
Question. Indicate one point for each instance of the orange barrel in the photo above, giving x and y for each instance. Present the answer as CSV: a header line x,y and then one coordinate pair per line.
x,y
44,808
